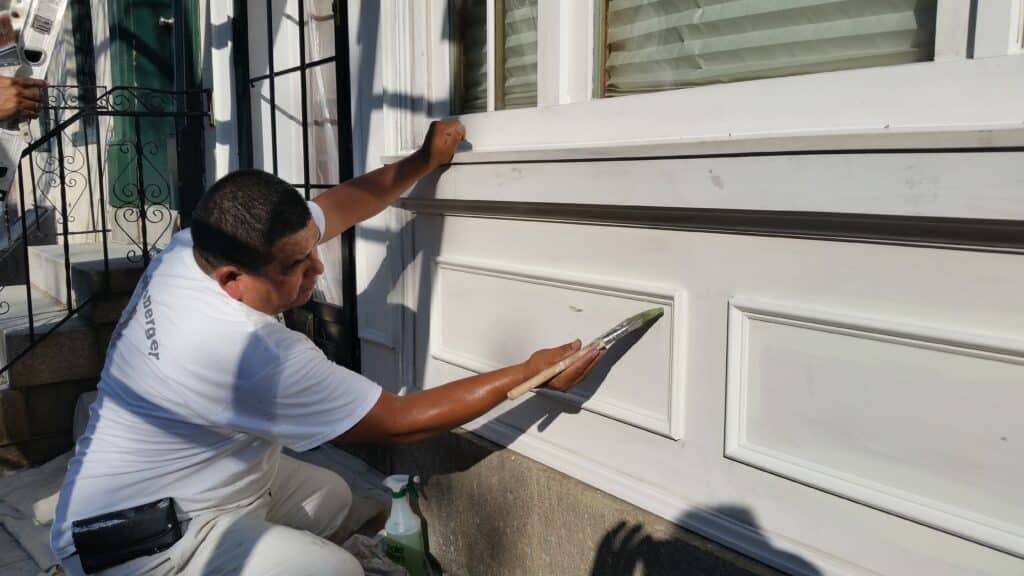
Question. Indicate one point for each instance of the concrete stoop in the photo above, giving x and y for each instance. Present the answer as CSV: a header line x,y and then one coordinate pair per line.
x,y
38,393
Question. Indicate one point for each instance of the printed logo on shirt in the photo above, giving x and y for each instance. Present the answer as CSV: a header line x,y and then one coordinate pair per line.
x,y
150,325
129,313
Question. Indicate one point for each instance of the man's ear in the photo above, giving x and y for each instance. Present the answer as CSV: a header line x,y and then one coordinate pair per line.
x,y
230,280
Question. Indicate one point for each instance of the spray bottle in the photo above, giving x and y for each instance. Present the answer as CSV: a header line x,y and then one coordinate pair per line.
x,y
403,534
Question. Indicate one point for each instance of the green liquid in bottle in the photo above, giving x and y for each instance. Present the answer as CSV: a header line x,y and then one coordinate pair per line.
x,y
406,551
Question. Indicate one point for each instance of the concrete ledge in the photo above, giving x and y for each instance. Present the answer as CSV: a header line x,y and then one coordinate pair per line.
x,y
503,513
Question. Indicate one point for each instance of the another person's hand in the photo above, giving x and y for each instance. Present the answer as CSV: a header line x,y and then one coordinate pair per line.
x,y
441,140
20,98
569,377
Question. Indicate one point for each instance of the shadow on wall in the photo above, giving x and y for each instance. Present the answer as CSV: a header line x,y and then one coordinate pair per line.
x,y
629,549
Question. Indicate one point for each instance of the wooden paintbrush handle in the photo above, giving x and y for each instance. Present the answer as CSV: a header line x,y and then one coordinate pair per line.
x,y
550,372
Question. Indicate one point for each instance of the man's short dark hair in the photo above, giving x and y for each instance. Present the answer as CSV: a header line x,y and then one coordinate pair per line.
x,y
241,217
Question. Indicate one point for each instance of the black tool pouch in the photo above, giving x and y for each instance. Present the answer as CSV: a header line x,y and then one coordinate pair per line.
x,y
117,537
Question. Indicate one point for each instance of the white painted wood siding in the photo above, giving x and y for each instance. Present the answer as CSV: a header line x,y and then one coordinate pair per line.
x,y
834,386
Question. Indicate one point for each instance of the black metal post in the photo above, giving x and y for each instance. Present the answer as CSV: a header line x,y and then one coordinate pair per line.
x,y
24,249
243,102
84,127
103,203
351,354
191,159
64,212
273,85
141,191
303,95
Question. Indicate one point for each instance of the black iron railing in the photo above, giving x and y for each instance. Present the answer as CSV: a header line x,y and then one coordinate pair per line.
x,y
105,168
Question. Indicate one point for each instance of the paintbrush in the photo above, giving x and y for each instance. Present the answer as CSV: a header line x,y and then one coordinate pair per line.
x,y
605,340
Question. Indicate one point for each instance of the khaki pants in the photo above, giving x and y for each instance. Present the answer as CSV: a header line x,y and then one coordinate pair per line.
x,y
282,533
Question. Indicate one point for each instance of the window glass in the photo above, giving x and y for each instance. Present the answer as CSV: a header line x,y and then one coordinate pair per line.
x,y
469,23
516,40
649,45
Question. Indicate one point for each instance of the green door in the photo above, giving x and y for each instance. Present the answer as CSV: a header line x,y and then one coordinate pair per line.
x,y
142,57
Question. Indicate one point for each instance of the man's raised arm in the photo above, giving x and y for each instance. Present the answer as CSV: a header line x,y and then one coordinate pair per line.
x,y
365,196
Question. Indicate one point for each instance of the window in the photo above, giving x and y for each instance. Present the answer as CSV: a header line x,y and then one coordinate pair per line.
x,y
512,80
517,47
729,78
649,45
470,55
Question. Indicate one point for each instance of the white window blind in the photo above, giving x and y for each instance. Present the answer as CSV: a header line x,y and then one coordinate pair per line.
x,y
650,45
470,25
517,42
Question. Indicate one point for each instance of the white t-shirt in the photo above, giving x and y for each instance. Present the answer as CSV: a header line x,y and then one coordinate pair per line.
x,y
197,396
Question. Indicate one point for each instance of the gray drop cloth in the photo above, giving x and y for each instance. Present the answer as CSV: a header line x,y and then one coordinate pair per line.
x,y
373,561
28,500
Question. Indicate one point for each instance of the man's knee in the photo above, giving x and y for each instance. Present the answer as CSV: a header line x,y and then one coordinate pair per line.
x,y
249,546
329,506
330,559
333,504
308,497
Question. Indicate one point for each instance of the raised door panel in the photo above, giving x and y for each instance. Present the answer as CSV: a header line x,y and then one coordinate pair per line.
x,y
916,421
639,381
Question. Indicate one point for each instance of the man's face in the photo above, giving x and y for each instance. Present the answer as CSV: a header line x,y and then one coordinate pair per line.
x,y
289,280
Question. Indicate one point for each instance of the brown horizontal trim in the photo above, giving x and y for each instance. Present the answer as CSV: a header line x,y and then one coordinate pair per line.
x,y
988,235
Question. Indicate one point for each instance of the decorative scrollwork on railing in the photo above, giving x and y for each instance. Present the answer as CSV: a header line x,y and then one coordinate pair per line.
x,y
73,181
5,306
63,97
125,187
145,100
126,100
159,223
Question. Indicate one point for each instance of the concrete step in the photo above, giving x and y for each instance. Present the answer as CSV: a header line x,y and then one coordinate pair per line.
x,y
38,392
41,228
36,423
48,270
58,358
40,224
75,350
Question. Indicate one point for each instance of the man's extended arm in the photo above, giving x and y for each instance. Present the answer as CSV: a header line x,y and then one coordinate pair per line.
x,y
360,198
400,419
